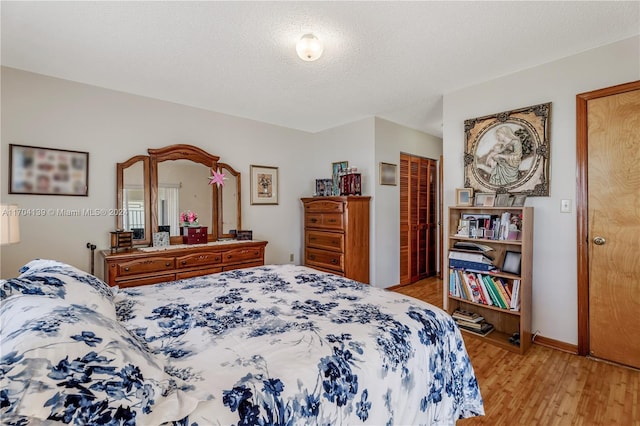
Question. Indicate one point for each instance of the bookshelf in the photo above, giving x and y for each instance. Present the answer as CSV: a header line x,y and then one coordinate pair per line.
x,y
506,322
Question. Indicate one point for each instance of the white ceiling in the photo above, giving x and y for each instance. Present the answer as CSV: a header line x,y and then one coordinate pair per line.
x,y
393,60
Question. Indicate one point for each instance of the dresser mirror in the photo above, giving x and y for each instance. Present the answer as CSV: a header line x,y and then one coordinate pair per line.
x,y
229,217
154,190
133,197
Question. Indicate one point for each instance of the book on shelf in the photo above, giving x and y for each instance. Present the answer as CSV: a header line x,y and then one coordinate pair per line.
x,y
495,286
473,325
476,292
469,265
484,289
488,300
515,296
471,256
483,331
502,285
468,245
493,293
467,315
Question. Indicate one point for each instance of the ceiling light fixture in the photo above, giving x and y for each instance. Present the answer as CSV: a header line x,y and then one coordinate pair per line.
x,y
309,47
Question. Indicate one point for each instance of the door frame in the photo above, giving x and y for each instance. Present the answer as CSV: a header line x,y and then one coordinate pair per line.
x,y
582,193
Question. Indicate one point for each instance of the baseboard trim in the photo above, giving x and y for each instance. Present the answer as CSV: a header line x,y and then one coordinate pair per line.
x,y
393,287
555,344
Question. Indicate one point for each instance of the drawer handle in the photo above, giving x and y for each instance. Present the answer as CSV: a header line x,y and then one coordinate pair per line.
x,y
334,261
312,257
312,239
332,220
313,220
184,262
167,264
126,269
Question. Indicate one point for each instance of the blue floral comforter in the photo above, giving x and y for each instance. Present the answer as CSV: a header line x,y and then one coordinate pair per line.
x,y
272,345
289,345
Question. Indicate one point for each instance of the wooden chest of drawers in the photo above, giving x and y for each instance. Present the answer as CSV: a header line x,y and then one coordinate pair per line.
x,y
141,267
336,235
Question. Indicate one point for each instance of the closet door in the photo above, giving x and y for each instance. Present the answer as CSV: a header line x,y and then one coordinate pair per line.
x,y
405,229
432,218
418,217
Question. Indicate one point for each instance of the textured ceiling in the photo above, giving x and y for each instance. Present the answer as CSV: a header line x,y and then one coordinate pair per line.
x,y
389,59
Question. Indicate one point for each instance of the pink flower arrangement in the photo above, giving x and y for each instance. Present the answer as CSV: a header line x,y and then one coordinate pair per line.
x,y
189,218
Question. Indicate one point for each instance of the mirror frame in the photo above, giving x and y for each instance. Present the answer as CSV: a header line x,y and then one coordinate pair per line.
x,y
120,168
150,166
236,174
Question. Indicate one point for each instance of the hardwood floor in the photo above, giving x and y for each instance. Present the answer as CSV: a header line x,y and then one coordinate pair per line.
x,y
545,386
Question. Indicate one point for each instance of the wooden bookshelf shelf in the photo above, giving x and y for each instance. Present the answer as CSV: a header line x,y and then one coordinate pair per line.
x,y
506,322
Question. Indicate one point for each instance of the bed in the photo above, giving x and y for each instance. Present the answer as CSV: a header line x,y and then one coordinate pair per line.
x,y
270,345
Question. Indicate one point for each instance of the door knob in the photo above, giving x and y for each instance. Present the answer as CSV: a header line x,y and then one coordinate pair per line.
x,y
599,241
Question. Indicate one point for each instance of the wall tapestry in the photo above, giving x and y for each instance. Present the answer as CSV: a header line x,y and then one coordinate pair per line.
x,y
509,152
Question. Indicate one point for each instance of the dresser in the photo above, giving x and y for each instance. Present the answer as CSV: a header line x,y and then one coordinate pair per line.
x,y
336,235
151,265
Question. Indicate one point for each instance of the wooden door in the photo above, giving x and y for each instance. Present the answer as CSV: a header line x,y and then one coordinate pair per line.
x,y
418,218
613,225
417,208
405,229
432,218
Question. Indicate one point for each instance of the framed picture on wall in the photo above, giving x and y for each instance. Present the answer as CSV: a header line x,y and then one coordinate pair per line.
x,y
388,174
509,152
48,171
264,185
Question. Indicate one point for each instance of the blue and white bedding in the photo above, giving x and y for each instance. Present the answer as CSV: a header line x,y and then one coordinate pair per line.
x,y
272,345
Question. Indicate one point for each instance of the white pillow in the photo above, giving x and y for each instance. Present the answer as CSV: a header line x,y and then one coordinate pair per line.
x,y
56,279
65,362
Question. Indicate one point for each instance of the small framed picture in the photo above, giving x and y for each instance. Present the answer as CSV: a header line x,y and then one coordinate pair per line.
x,y
464,196
511,263
388,174
518,200
264,185
503,200
485,199
160,239
336,169
324,187
463,228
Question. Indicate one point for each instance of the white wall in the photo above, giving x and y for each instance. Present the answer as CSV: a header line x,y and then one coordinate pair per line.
x,y
390,140
113,126
364,144
352,142
555,254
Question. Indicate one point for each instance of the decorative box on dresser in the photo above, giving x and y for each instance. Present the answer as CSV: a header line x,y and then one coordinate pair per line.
x,y
336,235
143,266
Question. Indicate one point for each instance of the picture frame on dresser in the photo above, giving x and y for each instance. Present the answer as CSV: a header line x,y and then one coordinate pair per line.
x,y
324,187
264,185
337,168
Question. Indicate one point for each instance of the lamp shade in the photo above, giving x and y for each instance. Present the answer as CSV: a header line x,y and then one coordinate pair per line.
x,y
9,224
309,47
